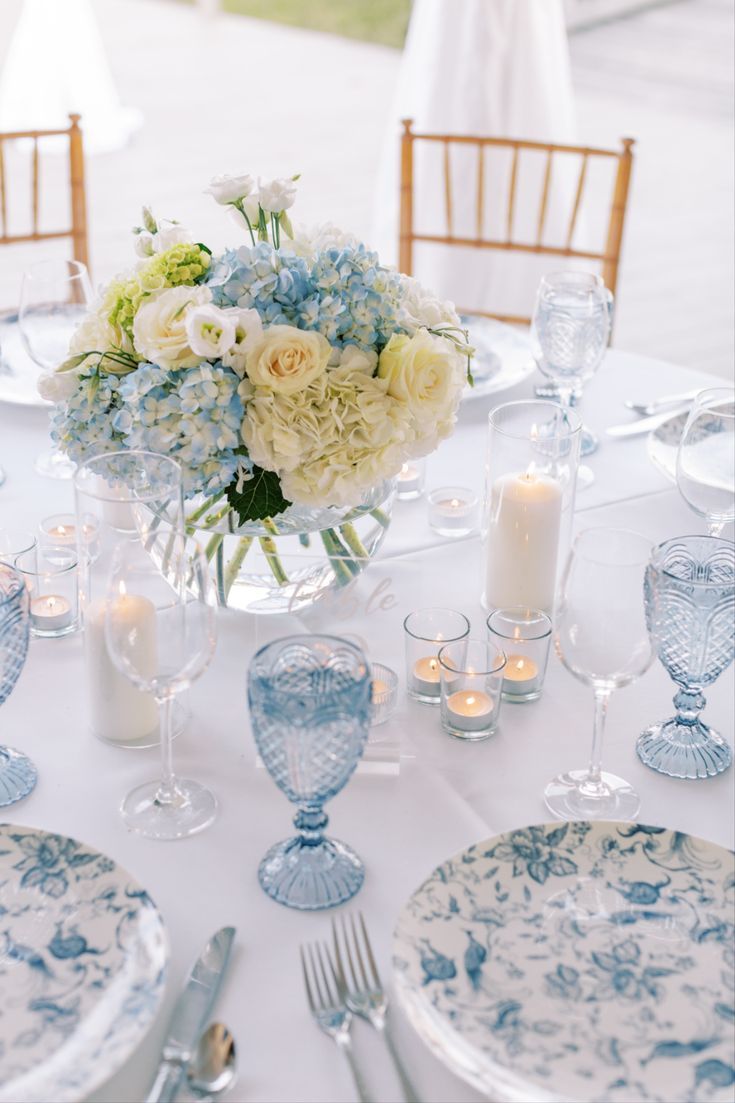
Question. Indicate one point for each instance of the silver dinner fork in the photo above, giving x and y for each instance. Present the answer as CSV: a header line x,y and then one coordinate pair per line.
x,y
363,992
325,995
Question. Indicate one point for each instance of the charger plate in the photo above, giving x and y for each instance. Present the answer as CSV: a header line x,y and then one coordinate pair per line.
x,y
18,374
502,359
82,962
582,961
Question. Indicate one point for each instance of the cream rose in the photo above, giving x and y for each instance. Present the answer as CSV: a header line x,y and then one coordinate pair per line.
x,y
424,373
160,326
287,359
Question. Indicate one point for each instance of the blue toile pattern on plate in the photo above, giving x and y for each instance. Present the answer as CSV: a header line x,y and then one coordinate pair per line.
x,y
587,961
82,961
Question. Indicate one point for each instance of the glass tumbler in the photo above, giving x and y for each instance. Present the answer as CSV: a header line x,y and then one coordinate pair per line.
x,y
690,612
471,684
310,710
426,631
525,636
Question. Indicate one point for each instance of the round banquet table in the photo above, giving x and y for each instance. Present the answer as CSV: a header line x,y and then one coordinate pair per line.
x,y
446,795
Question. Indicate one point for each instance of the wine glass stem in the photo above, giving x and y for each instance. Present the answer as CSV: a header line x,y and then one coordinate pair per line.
x,y
602,700
715,527
167,785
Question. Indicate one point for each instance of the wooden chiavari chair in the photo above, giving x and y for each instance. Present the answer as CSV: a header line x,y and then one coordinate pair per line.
x,y
608,258
78,229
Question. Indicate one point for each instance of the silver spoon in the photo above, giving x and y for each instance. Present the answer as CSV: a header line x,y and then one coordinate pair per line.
x,y
213,1068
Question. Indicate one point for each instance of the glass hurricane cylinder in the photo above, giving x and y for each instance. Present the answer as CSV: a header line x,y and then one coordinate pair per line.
x,y
690,612
126,496
530,484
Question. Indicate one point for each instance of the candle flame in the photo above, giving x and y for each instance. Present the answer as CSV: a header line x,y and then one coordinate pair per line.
x,y
530,474
454,503
50,603
122,589
62,530
470,700
520,664
433,664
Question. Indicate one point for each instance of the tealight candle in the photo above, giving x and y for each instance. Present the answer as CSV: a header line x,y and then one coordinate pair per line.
x,y
469,710
383,694
525,635
426,676
520,675
471,683
62,530
426,632
51,612
410,480
453,511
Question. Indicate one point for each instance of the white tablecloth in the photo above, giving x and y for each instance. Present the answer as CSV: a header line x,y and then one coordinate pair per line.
x,y
447,795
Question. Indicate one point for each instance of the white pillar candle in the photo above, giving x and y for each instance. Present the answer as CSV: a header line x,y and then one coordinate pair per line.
x,y
520,675
469,710
523,541
121,713
50,612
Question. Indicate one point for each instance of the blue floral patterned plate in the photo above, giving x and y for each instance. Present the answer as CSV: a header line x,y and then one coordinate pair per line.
x,y
82,961
587,961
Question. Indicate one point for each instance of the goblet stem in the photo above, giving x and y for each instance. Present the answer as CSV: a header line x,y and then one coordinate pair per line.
x,y
310,821
688,702
602,700
166,793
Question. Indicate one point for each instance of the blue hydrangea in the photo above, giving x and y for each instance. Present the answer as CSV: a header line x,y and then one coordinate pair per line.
x,y
346,294
83,425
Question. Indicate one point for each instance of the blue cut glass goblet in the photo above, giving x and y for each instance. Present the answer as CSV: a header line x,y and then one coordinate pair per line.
x,y
17,773
690,612
309,702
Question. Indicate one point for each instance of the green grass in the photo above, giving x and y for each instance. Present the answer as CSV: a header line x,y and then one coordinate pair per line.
x,y
382,21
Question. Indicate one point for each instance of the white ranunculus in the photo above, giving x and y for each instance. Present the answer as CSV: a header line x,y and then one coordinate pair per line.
x,y
170,234
160,326
248,331
424,373
57,386
228,189
276,195
144,244
211,332
287,359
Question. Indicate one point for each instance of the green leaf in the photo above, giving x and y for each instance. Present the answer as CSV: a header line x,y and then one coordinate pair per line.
x,y
149,221
261,497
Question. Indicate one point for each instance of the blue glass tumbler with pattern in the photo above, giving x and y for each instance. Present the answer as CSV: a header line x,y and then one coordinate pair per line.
x,y
690,611
310,707
17,772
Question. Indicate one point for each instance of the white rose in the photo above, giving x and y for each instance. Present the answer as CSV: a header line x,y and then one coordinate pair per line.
x,y
248,331
57,386
228,189
210,331
170,234
424,373
287,359
276,195
159,328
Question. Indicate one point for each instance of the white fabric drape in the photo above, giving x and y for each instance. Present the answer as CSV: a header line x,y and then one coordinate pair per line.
x,y
483,67
56,64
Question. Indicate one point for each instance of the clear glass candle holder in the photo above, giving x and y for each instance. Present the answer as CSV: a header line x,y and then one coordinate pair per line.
x,y
525,637
15,542
471,688
426,631
453,511
51,578
61,530
383,695
410,480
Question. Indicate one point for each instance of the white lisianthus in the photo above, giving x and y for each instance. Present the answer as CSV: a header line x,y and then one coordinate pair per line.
x,y
423,372
144,244
287,359
248,331
160,326
170,234
276,196
57,386
250,206
211,331
229,189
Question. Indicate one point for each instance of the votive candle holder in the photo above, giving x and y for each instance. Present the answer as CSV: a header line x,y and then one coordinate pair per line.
x,y
15,542
383,695
453,511
410,480
471,688
51,578
63,530
426,631
525,637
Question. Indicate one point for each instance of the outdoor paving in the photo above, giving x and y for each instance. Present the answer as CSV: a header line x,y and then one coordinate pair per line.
x,y
232,93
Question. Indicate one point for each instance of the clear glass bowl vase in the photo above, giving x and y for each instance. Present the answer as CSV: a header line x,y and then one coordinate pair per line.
x,y
295,560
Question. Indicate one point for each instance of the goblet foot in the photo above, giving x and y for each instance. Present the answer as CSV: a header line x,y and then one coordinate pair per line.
x,y
573,796
192,809
589,442
18,776
310,876
684,750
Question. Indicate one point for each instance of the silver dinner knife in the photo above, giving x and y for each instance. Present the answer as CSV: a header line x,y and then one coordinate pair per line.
x,y
190,1014
645,424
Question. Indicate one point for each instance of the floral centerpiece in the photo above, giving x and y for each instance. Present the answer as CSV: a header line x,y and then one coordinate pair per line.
x,y
293,372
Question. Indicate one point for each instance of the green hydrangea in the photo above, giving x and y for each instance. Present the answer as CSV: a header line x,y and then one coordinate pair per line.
x,y
182,264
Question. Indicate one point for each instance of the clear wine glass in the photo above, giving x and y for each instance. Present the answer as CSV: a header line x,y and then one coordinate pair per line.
x,y
54,297
160,633
602,639
705,462
570,331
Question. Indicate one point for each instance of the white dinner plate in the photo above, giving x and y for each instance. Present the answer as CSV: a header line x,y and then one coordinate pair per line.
x,y
663,444
502,357
580,961
82,963
18,374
